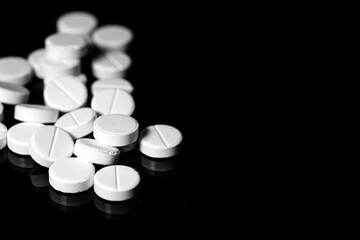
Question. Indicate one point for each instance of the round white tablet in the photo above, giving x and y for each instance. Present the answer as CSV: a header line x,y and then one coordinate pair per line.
x,y
78,23
96,152
77,123
71,175
1,112
3,133
13,93
113,101
34,61
49,144
110,64
111,83
160,141
116,130
18,137
116,183
64,46
15,70
51,68
65,94
112,37
35,113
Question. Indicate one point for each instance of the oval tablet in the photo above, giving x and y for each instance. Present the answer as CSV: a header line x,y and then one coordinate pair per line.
x,y
116,183
112,37
65,94
65,46
96,152
160,141
49,144
18,137
113,101
110,64
78,23
71,175
15,70
116,130
13,93
3,133
1,112
77,123
34,61
51,68
35,113
111,83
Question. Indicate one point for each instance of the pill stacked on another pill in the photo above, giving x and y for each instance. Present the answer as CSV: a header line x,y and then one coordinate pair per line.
x,y
69,133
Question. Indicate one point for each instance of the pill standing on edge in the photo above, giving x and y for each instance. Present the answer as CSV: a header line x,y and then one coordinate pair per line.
x,y
116,183
116,130
95,152
112,37
113,101
49,144
77,23
65,94
160,141
78,123
19,135
71,175
34,61
65,46
13,94
3,134
35,113
110,64
111,83
1,112
15,70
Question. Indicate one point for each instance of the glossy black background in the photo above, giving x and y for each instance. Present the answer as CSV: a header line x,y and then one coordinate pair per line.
x,y
244,89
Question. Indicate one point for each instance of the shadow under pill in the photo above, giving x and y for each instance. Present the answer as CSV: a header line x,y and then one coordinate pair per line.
x,y
20,163
116,210
71,202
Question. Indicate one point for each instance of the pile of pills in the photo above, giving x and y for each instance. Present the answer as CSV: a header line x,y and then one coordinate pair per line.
x,y
70,132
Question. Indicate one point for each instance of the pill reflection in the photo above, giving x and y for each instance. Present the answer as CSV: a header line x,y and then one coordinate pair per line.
x,y
71,202
117,210
39,177
3,155
159,167
20,163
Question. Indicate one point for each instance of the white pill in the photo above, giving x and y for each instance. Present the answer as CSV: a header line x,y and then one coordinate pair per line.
x,y
35,113
160,141
18,137
116,183
113,101
71,175
78,23
49,144
96,152
34,61
1,112
65,94
80,78
78,123
111,83
51,68
112,37
15,70
65,46
13,94
110,64
3,133
116,130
